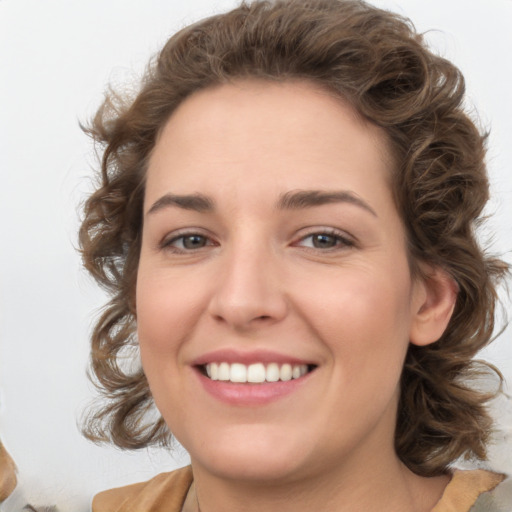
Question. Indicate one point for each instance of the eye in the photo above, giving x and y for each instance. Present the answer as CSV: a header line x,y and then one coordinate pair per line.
x,y
325,240
187,242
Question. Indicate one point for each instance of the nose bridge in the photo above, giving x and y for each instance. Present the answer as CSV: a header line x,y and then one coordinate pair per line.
x,y
248,287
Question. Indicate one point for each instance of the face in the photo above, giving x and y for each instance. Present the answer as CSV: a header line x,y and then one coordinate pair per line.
x,y
274,298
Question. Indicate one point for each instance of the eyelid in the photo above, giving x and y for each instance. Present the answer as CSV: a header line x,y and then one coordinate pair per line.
x,y
346,239
167,240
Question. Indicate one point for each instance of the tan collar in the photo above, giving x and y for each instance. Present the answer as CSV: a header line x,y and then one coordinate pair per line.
x,y
7,474
464,488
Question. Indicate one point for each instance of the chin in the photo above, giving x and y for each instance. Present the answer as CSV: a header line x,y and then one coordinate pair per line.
x,y
252,469
252,457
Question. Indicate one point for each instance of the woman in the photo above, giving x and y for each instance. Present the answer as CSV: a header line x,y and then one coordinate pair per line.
x,y
286,225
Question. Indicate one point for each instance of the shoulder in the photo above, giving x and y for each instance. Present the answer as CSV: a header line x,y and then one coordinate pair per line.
x,y
164,490
474,491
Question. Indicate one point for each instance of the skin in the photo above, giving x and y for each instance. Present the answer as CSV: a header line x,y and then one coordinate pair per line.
x,y
257,280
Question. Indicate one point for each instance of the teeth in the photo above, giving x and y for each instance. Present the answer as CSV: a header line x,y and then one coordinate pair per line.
x,y
286,372
238,373
223,371
255,373
272,374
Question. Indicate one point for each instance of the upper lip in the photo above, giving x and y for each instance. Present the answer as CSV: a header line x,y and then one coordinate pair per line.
x,y
249,357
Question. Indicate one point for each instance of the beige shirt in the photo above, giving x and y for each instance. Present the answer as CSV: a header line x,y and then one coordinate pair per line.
x,y
7,474
167,492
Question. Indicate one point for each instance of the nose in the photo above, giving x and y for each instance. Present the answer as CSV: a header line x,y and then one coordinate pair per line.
x,y
249,290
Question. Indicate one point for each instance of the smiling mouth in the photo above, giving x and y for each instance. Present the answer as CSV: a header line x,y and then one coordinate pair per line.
x,y
256,373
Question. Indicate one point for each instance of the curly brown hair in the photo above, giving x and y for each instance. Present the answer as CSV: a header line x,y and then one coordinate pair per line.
x,y
377,62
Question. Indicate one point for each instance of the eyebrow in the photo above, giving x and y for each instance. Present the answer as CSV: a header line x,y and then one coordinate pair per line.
x,y
293,200
196,202
309,198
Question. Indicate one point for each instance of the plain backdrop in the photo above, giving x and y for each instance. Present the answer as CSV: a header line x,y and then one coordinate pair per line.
x,y
56,58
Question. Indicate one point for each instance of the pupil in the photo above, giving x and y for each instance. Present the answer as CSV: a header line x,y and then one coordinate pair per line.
x,y
193,241
324,241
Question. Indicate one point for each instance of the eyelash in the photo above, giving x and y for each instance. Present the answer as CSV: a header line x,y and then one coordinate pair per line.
x,y
168,243
341,241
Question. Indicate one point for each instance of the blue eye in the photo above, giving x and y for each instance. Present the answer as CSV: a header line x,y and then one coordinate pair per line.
x,y
325,240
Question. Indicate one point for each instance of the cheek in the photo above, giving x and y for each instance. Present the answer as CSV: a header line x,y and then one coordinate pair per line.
x,y
161,331
163,324
166,312
364,321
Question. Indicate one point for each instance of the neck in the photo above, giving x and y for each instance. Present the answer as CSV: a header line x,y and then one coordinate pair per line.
x,y
368,476
373,487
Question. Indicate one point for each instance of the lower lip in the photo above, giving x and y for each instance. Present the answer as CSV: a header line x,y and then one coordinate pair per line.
x,y
250,394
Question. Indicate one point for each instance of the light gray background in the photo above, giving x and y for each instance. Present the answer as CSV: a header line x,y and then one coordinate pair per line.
x,y
56,57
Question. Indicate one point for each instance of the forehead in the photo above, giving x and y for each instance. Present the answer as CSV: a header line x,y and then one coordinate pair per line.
x,y
253,130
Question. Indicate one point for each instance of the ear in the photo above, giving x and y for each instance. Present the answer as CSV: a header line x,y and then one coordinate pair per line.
x,y
434,299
